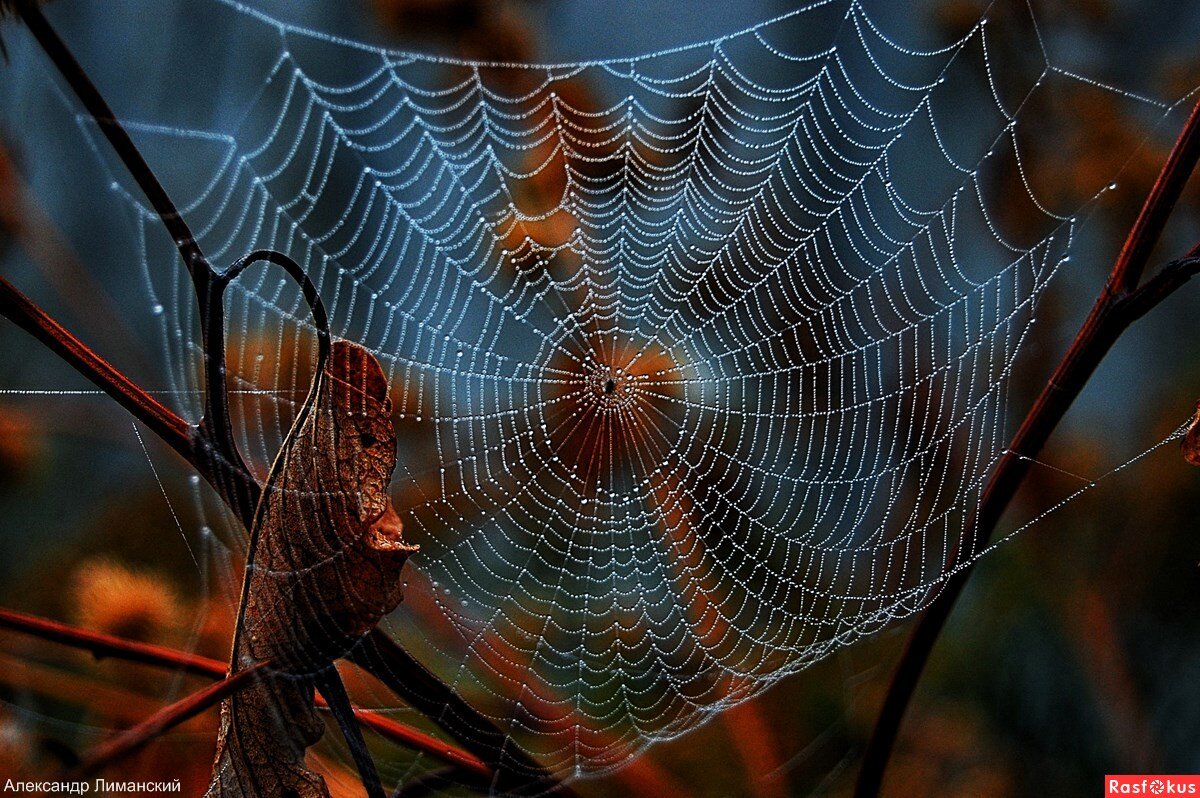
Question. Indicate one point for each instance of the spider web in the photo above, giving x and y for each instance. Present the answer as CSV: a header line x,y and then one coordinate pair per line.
x,y
699,358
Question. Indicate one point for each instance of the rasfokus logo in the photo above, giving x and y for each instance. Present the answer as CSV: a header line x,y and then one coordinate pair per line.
x,y
1156,784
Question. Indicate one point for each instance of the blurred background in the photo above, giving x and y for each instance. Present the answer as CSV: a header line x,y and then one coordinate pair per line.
x,y
1074,653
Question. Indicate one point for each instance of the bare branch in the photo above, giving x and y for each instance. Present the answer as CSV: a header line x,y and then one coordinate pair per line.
x,y
1157,208
1119,305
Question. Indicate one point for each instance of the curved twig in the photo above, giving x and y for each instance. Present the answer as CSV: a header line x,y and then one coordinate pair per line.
x,y
378,654
214,452
219,462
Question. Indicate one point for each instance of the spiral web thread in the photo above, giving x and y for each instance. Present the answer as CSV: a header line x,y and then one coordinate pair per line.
x,y
698,358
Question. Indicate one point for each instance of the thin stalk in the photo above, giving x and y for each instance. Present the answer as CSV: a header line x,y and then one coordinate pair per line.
x,y
1157,208
1120,303
465,764
173,430
104,646
515,771
118,137
334,692
132,740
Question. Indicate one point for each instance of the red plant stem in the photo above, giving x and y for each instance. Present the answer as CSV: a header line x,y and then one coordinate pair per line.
x,y
419,741
1119,304
168,426
1156,209
138,737
104,645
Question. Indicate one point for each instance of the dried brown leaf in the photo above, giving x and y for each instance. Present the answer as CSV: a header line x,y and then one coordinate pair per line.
x,y
326,553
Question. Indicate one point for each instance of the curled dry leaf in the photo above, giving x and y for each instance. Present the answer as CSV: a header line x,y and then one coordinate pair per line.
x,y
1191,440
326,553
